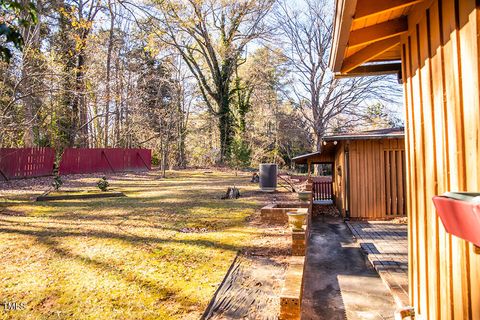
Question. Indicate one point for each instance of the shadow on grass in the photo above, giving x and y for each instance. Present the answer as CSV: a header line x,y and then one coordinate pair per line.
x,y
129,238
153,288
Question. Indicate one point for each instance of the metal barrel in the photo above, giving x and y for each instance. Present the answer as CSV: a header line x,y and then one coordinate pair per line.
x,y
268,176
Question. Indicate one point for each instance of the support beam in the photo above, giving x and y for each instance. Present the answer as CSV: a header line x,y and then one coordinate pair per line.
x,y
369,53
378,32
370,8
373,70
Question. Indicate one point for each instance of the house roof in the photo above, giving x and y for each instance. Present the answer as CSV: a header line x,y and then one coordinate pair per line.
x,y
366,36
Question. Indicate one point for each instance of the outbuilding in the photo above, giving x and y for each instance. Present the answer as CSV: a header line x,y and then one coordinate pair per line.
x,y
368,173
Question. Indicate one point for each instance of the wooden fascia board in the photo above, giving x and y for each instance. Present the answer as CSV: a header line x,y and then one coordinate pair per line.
x,y
373,70
370,8
369,53
378,32
345,10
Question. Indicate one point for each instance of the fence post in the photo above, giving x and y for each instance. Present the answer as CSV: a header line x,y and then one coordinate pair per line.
x,y
108,161
144,163
3,175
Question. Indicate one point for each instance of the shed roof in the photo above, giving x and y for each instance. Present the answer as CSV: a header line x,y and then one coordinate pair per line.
x,y
366,135
302,157
389,133
366,36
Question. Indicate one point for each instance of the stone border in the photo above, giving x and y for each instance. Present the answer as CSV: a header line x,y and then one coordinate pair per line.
x,y
271,213
108,194
291,295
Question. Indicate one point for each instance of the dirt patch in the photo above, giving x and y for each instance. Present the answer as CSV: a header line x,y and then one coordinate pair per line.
x,y
196,230
325,210
251,289
40,185
8,212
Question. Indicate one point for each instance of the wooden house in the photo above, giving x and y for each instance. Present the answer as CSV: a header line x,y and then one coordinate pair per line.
x,y
433,47
368,173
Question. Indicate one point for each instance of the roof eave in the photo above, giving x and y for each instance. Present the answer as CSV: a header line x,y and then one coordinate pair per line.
x,y
345,10
365,137
304,156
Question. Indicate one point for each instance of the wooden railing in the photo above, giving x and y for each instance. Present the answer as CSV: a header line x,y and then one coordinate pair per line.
x,y
322,190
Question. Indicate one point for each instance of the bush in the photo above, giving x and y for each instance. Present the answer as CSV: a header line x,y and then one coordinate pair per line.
x,y
102,184
155,159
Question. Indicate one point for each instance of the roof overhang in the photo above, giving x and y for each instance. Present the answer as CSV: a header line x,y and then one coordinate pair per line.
x,y
366,36
328,149
365,137
303,158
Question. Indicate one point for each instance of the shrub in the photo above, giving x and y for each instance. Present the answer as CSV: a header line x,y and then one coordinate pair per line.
x,y
155,159
102,184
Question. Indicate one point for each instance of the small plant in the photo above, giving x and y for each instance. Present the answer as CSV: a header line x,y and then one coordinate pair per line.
x,y
57,182
102,184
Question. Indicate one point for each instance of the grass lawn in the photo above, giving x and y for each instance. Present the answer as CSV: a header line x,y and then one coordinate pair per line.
x,y
158,253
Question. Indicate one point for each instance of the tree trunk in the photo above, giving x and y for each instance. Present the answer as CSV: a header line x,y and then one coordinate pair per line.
x,y
181,161
31,65
96,124
107,85
117,103
319,140
226,129
76,100
81,101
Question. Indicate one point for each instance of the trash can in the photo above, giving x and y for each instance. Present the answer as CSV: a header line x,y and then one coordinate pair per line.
x,y
460,214
268,177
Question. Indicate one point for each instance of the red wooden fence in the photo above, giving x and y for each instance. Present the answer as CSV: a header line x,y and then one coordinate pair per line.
x,y
17,163
104,160
322,190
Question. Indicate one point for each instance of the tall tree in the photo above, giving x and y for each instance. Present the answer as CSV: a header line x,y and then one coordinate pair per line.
x,y
111,10
15,15
306,35
211,36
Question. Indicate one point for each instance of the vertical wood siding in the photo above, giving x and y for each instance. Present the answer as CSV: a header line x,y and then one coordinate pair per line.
x,y
441,85
377,179
339,183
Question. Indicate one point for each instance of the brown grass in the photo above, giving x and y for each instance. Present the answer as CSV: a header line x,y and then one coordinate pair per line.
x,y
158,253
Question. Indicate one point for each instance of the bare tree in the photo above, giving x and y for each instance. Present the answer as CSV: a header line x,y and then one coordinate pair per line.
x,y
112,12
307,37
211,37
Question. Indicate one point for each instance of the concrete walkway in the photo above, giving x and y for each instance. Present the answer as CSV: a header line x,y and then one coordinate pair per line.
x,y
339,283
386,246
